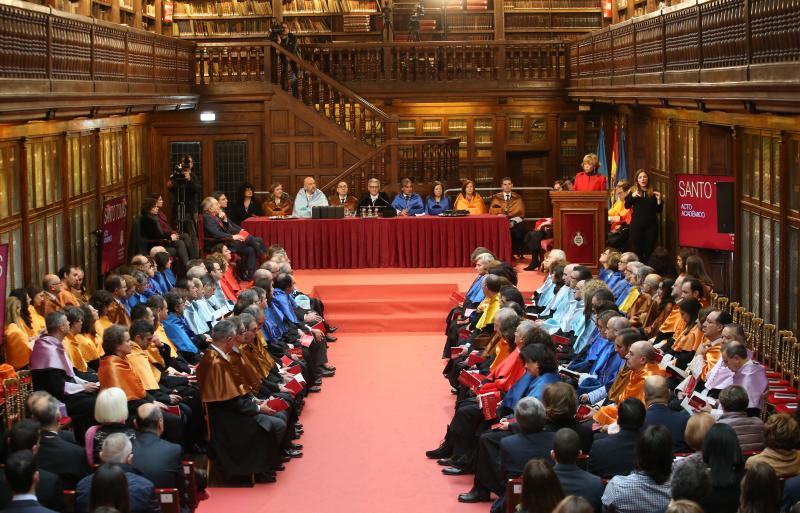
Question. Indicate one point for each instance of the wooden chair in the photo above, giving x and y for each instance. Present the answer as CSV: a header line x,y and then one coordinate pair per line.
x,y
767,343
737,315
15,409
69,501
169,499
732,306
722,303
756,332
513,494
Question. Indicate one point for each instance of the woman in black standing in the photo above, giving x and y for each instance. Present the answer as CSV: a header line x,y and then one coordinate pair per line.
x,y
646,205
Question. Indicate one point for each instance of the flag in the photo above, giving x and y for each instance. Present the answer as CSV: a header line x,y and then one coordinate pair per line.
x,y
612,173
601,155
619,166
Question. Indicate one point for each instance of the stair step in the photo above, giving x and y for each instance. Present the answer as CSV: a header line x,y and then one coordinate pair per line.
x,y
386,306
399,293
377,323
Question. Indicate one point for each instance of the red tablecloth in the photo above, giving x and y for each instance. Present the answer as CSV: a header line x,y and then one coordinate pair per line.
x,y
351,243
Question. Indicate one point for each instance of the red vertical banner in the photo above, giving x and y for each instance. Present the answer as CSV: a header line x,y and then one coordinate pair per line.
x,y
705,211
3,282
167,7
115,223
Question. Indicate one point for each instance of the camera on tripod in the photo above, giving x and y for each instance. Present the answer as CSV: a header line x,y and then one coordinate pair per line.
x,y
180,168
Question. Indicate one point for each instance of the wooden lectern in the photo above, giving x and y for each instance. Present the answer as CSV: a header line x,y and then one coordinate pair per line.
x,y
579,225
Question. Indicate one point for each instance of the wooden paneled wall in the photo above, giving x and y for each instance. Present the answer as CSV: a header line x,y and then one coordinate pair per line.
x,y
54,177
763,153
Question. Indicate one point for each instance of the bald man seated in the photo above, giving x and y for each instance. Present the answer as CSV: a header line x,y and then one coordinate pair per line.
x,y
308,197
342,198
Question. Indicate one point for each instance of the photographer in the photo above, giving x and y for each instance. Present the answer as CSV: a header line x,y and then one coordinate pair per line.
x,y
186,190
283,36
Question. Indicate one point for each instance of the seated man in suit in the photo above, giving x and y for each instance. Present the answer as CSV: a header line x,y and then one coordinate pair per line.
x,y
341,198
309,196
574,480
656,397
58,453
24,437
51,285
237,241
158,460
373,197
117,312
615,455
408,202
23,478
117,450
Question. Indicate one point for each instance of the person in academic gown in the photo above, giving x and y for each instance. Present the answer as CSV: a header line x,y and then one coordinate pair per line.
x,y
510,204
53,372
469,199
342,199
373,197
245,434
408,202
117,311
308,197
437,202
278,202
17,344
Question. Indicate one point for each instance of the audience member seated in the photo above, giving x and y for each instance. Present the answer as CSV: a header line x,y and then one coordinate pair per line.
x,y
117,452
656,397
111,413
574,480
749,430
156,234
374,197
690,482
58,453
49,490
72,293
722,455
781,436
647,488
695,435
247,206
438,201
408,202
232,227
278,202
613,455
542,229
747,373
22,477
51,285
118,311
541,490
573,504
17,343
619,218
237,240
469,199
761,490
309,196
342,199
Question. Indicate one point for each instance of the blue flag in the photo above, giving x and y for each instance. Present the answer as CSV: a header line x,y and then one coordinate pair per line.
x,y
603,160
622,164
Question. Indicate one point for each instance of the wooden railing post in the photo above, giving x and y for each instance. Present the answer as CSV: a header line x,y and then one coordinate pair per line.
x,y
390,134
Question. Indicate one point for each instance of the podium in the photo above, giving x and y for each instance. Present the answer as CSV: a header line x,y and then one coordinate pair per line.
x,y
579,225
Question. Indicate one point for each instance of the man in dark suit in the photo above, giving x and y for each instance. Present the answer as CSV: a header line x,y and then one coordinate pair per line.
x,y
22,478
24,437
158,460
241,243
58,453
656,397
615,455
375,198
574,480
117,450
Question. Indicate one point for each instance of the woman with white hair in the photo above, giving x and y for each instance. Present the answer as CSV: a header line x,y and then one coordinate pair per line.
x,y
111,414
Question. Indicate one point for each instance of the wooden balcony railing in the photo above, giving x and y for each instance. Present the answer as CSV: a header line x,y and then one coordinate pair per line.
x,y
45,51
452,64
270,64
704,42
422,159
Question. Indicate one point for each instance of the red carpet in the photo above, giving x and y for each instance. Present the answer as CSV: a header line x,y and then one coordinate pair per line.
x,y
367,432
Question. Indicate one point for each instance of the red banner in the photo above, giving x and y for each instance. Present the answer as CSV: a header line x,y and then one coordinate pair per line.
x,y
115,224
167,8
3,282
705,211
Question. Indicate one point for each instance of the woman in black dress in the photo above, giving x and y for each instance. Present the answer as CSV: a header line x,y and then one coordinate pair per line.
x,y
247,206
646,205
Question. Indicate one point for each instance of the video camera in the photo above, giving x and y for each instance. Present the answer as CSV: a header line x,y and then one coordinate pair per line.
x,y
177,173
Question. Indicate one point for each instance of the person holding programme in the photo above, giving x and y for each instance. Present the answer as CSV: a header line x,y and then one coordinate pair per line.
x,y
470,200
278,203
408,202
589,179
308,197
342,199
437,202
246,206
646,204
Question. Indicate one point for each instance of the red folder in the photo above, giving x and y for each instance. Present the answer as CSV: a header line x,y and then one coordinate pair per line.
x,y
456,351
560,341
294,387
696,402
277,404
474,357
296,351
245,234
690,385
295,369
659,356
286,361
470,379
457,297
319,326
488,403
174,409
583,413
306,340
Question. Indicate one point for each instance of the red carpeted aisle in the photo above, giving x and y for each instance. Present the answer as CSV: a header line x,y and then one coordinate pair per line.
x,y
367,432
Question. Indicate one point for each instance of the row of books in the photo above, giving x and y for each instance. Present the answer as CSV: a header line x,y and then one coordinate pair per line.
x,y
552,4
357,23
467,5
308,25
580,21
334,6
67,6
224,27
466,22
427,25
224,8
544,20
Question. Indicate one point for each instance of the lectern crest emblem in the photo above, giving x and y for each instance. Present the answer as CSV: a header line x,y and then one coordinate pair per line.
x,y
578,239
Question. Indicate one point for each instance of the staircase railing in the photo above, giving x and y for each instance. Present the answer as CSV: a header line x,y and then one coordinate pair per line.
x,y
440,61
422,159
266,62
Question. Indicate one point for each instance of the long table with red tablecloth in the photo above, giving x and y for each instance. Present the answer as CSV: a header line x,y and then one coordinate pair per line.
x,y
353,242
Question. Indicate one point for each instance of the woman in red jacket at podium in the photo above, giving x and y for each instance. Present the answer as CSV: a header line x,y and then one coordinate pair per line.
x,y
589,179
